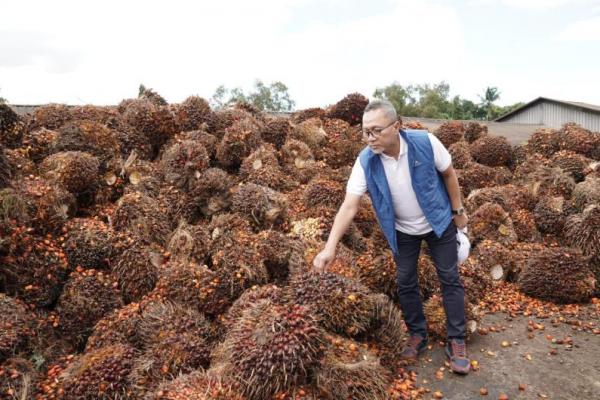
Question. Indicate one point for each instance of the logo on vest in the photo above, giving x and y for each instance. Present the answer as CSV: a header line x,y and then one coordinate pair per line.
x,y
417,163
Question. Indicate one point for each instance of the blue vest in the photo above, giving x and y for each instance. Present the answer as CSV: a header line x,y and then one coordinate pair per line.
x,y
427,183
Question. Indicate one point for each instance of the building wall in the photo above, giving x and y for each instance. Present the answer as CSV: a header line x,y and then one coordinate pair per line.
x,y
555,115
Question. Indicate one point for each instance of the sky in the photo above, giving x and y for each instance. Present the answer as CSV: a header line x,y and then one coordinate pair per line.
x,y
98,52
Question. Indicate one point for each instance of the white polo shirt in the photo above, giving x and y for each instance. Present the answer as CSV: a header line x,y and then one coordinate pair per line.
x,y
409,215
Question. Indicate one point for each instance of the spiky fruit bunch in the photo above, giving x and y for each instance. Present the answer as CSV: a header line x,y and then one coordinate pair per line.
x,y
350,108
189,243
11,127
312,133
365,218
271,348
571,162
490,221
157,123
102,114
276,131
74,170
15,328
579,140
19,378
222,119
479,197
192,113
525,226
137,270
90,243
474,176
377,270
13,207
141,215
436,317
543,141
19,164
131,139
324,192
387,329
39,143
450,132
276,249
528,166
349,370
494,258
583,230
550,215
90,137
493,151
587,192
210,193
303,115
461,154
249,298
518,197
198,385
558,274
343,144
262,206
151,95
5,168
262,167
343,305
412,124
547,181
50,116
476,280
33,268
520,255
240,139
298,160
118,326
86,297
183,162
195,286
100,374
474,131
204,138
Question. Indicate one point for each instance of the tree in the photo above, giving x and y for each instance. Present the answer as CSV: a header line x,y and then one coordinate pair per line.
x,y
490,95
274,97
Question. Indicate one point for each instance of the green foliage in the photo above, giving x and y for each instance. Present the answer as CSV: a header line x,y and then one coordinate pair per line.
x,y
274,97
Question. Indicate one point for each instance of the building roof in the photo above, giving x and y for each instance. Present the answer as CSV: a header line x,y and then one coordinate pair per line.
x,y
573,104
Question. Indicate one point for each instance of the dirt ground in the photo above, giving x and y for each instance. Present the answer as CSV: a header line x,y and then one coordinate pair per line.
x,y
547,370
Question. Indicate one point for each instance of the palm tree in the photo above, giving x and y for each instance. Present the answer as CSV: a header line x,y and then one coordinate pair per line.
x,y
490,95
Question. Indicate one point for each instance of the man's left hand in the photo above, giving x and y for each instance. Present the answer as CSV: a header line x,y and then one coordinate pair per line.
x,y
461,221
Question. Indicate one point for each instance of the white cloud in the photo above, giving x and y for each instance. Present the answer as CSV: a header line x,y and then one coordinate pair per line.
x,y
584,30
535,4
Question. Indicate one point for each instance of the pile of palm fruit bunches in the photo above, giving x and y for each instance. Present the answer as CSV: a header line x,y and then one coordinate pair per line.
x,y
163,251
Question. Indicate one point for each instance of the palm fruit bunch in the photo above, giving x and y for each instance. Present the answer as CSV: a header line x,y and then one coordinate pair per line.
x,y
324,192
435,314
175,340
264,207
494,258
141,215
582,230
474,131
476,280
15,327
19,377
249,298
342,305
33,268
312,133
192,113
13,207
579,140
86,297
204,138
544,142
218,121
387,329
102,114
411,124
195,286
262,167
528,166
461,154
475,176
525,225
50,116
490,221
349,109
5,168
238,142
189,243
130,139
100,374
11,127
276,250
137,269
183,162
271,348
89,137
550,215
298,160
479,197
349,370
118,326
276,131
198,385
571,163
210,193
450,132
39,143
376,270
548,181
308,113
74,170
493,151
586,192
343,143
152,95
558,274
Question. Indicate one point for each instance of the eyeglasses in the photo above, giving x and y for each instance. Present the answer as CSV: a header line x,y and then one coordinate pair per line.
x,y
375,132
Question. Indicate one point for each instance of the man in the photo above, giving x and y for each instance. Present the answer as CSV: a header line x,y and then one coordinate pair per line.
x,y
415,193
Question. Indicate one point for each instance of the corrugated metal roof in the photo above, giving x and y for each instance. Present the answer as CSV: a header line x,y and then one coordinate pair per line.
x,y
585,106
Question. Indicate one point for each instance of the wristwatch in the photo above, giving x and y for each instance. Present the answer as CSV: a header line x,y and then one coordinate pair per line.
x,y
460,211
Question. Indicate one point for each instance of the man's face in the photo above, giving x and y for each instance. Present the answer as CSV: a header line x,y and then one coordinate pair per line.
x,y
379,131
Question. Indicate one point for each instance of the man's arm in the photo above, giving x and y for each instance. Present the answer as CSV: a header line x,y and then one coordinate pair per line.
x,y
342,221
451,181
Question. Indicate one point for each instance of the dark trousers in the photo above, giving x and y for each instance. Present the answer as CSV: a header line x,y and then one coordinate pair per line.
x,y
444,254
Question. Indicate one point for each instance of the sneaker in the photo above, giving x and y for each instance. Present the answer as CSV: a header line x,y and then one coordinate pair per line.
x,y
456,351
416,345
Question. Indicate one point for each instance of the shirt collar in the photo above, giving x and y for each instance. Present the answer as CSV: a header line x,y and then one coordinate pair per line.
x,y
403,148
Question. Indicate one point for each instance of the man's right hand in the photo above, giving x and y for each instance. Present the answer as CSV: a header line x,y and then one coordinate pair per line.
x,y
322,260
